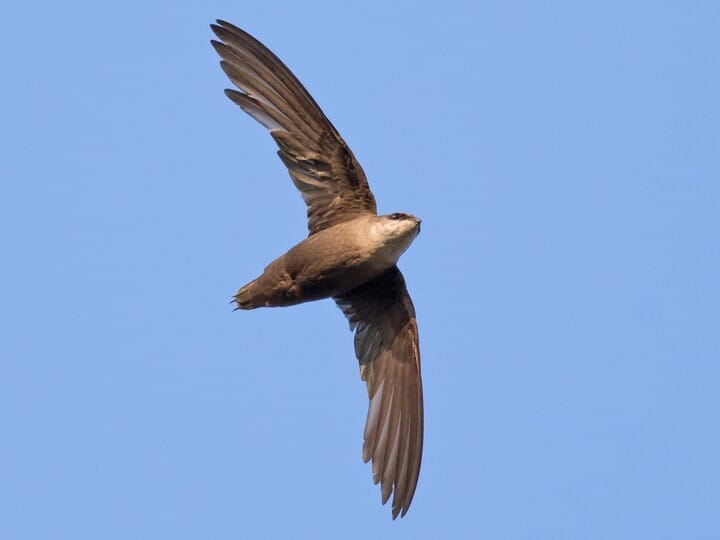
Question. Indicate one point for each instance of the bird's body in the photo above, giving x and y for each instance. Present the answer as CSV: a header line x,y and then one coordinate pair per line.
x,y
331,262
350,255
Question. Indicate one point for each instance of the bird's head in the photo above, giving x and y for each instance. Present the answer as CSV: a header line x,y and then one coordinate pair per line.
x,y
395,233
402,225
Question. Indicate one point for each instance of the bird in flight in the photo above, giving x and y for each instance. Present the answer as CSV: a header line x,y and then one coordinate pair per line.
x,y
350,255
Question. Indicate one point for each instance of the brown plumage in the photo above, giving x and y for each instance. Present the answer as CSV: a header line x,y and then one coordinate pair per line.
x,y
350,255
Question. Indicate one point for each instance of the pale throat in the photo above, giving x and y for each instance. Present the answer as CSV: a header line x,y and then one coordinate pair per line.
x,y
391,244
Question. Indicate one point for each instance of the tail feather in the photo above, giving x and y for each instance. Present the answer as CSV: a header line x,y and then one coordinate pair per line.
x,y
249,297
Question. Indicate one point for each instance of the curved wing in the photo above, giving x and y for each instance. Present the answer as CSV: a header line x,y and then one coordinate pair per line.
x,y
386,344
323,168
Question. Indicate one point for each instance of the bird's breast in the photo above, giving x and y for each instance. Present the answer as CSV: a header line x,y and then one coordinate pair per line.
x,y
342,257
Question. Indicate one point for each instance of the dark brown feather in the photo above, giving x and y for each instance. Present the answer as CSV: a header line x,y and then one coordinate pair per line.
x,y
320,164
386,345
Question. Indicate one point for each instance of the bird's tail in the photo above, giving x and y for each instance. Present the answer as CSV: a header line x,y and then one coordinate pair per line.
x,y
250,296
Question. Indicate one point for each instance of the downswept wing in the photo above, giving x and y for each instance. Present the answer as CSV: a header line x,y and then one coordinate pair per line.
x,y
321,165
386,345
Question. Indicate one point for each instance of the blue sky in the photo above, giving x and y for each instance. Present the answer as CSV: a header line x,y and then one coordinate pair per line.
x,y
565,160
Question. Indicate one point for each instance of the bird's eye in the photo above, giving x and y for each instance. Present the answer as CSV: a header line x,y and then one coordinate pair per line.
x,y
396,215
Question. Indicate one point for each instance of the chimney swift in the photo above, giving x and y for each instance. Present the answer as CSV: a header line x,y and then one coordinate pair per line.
x,y
350,255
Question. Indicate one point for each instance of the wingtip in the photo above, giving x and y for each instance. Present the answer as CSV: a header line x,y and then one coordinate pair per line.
x,y
221,27
217,26
399,510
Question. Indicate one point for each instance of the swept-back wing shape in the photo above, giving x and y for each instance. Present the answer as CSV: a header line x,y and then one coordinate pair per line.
x,y
386,345
323,168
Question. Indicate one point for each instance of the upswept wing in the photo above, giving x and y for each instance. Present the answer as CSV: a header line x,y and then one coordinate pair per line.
x,y
321,165
386,344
